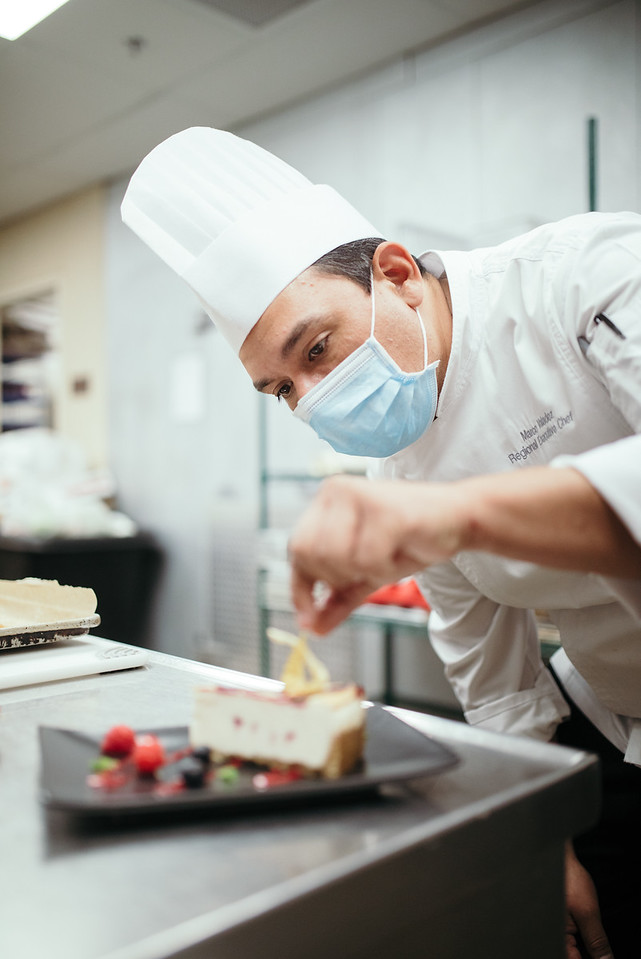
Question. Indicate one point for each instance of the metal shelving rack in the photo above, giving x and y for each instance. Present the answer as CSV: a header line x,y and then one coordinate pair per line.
x,y
27,351
266,478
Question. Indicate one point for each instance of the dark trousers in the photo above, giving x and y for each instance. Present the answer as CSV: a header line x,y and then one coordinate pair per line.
x,y
611,850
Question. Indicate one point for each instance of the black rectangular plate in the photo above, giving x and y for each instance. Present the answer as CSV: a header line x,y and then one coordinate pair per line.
x,y
394,752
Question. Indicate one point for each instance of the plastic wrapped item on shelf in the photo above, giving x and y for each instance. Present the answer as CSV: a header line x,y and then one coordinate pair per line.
x,y
47,490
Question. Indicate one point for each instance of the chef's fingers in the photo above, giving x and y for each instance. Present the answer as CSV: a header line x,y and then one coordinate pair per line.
x,y
361,532
583,907
382,541
572,950
336,605
302,594
348,541
398,527
595,942
322,544
319,607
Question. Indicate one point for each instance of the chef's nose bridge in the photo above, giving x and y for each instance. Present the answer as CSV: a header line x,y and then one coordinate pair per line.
x,y
305,380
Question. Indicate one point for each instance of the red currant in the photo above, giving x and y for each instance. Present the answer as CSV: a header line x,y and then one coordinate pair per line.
x,y
148,754
118,742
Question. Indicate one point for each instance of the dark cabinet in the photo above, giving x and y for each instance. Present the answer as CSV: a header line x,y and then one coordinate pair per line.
x,y
122,571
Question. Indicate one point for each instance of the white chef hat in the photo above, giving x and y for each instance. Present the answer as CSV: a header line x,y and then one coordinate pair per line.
x,y
237,223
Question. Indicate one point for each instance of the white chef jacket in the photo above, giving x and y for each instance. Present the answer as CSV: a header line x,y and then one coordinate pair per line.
x,y
535,377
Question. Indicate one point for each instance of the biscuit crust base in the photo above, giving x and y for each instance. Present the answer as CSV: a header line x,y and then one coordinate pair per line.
x,y
345,753
347,750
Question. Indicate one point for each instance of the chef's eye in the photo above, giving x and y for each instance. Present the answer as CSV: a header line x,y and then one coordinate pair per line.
x,y
283,391
317,349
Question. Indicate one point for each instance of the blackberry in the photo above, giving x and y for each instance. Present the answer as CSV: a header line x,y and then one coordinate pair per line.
x,y
192,771
202,754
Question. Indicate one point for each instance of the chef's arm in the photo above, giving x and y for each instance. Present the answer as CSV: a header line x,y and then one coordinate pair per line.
x,y
552,517
358,534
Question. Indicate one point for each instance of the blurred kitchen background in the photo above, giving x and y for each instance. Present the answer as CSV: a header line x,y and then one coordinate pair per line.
x,y
134,452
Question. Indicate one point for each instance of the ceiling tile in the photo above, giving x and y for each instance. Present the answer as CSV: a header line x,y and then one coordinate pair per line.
x,y
93,87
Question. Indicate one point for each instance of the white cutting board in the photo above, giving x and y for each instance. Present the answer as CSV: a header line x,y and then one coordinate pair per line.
x,y
66,659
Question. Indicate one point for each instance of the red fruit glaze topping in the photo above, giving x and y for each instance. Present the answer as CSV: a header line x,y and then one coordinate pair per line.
x,y
275,777
108,779
118,742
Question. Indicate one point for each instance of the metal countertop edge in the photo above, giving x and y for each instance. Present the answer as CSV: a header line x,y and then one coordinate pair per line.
x,y
201,928
172,942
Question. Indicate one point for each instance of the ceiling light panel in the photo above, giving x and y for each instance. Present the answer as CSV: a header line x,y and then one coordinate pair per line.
x,y
255,12
18,17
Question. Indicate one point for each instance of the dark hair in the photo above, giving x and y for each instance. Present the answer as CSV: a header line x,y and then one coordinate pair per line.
x,y
354,260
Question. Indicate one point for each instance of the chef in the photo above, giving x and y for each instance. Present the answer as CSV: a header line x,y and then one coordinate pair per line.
x,y
500,390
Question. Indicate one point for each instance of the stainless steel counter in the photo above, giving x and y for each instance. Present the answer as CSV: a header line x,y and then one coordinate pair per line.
x,y
464,864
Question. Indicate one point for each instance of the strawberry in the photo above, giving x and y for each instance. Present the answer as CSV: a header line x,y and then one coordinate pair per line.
x,y
148,754
118,742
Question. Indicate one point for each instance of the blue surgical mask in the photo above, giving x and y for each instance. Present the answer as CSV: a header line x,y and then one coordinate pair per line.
x,y
367,405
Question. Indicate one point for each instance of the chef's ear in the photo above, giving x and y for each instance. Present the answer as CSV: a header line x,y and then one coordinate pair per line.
x,y
394,263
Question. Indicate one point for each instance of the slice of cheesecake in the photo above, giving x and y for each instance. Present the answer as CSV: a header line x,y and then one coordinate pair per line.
x,y
36,611
320,734
34,602
312,725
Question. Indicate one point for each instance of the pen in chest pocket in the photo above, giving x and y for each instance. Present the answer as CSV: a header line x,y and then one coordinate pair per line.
x,y
601,318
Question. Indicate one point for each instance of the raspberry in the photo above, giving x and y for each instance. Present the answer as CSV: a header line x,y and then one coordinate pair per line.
x,y
148,754
118,742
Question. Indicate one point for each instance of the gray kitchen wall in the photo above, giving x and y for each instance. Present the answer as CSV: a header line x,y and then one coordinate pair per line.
x,y
460,146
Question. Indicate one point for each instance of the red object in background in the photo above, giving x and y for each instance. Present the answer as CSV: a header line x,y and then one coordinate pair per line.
x,y
406,593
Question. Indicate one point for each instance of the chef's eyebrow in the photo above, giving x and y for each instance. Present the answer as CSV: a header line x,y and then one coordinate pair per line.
x,y
299,330
296,334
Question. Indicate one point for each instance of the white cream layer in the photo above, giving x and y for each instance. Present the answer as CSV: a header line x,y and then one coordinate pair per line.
x,y
271,727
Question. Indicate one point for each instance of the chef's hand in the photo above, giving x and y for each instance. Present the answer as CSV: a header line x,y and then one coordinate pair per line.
x,y
583,919
359,534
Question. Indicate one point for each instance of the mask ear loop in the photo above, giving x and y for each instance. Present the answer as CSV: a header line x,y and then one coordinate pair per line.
x,y
420,320
371,286
422,325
